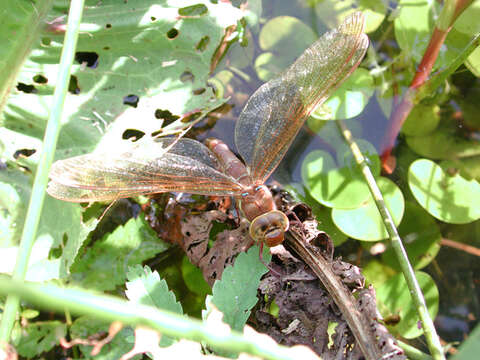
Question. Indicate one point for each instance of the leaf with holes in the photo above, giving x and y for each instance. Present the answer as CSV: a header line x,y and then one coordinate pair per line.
x,y
131,61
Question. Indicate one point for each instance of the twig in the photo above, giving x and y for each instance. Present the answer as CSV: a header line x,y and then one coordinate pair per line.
x,y
464,247
345,301
417,296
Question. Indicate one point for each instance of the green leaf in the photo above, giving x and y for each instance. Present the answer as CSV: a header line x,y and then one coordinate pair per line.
x,y
144,49
414,26
145,287
331,185
422,120
376,272
60,234
19,29
349,99
193,10
393,298
444,143
365,222
104,266
283,39
322,214
236,293
470,348
334,12
473,62
86,326
450,198
193,278
39,337
421,238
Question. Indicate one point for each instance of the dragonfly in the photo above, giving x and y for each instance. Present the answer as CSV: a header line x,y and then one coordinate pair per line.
x,y
264,131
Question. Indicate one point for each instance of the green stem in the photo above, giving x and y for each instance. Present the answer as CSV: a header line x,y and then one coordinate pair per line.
x,y
418,299
41,177
412,352
109,308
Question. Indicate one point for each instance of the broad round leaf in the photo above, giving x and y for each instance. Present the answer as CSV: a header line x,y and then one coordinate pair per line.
x,y
322,213
349,99
283,39
345,157
365,222
422,120
330,185
443,144
450,198
393,298
335,11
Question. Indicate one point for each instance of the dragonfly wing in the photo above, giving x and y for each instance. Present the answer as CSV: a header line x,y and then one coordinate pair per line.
x,y
96,176
275,113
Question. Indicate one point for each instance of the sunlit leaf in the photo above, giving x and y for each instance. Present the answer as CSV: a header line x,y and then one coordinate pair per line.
x,y
331,185
283,39
394,298
145,287
349,99
365,222
335,11
448,197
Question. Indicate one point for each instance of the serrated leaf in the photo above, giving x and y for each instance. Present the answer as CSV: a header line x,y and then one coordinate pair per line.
x,y
40,337
104,266
236,293
145,287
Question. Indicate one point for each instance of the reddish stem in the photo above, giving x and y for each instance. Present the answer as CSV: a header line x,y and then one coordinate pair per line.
x,y
401,111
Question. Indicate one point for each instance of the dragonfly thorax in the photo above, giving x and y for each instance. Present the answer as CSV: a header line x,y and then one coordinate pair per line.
x,y
267,224
256,200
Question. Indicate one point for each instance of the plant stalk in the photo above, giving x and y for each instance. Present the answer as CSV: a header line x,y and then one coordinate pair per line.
x,y
451,10
46,158
109,308
417,296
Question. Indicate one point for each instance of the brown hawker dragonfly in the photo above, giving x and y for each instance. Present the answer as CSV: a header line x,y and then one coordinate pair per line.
x,y
264,131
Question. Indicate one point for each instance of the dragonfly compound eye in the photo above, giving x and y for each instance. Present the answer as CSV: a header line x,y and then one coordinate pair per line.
x,y
269,228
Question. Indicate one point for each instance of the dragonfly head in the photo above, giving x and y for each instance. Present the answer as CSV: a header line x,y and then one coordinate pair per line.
x,y
269,228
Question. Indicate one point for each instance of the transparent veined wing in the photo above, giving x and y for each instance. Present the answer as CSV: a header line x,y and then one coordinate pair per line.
x,y
275,113
182,165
